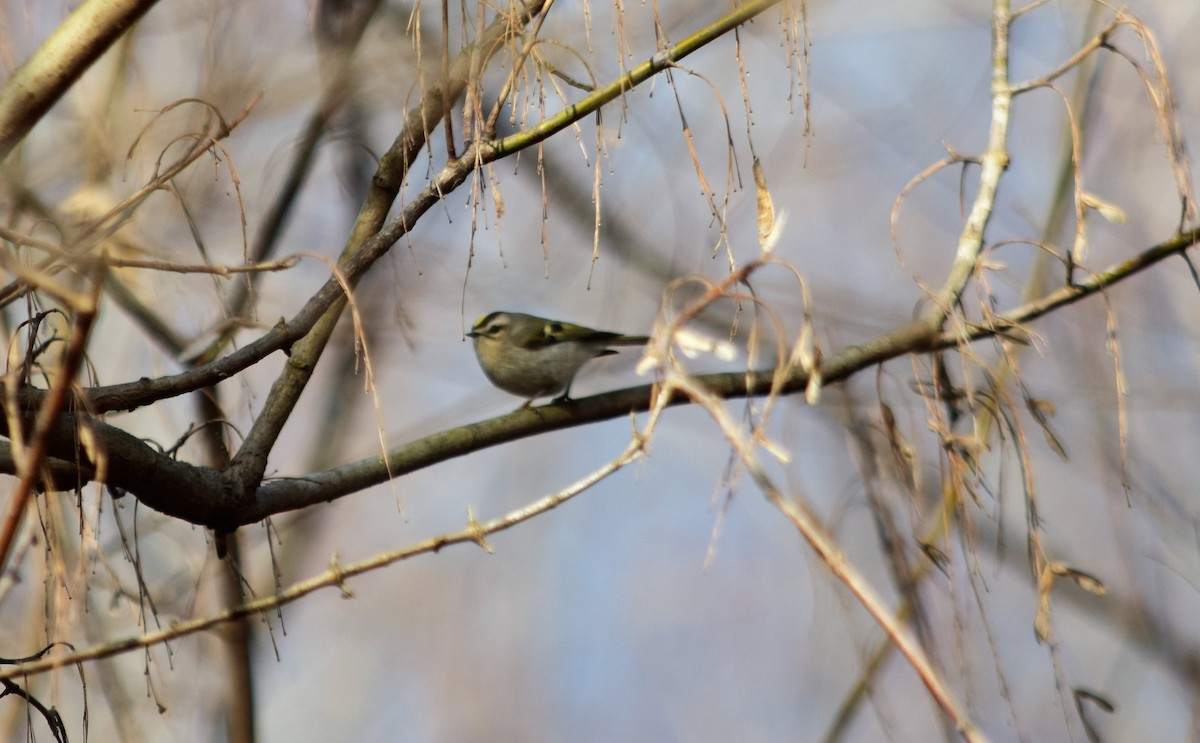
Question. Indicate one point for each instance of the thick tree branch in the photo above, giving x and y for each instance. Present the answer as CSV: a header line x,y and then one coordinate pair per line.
x,y
199,494
179,489
420,119
250,462
36,85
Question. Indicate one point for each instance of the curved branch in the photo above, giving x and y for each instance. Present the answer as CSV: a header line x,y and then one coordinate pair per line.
x,y
201,496
420,119
992,164
37,84
207,499
661,61
249,464
294,493
336,575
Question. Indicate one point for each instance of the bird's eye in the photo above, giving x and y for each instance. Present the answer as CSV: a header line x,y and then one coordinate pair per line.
x,y
553,328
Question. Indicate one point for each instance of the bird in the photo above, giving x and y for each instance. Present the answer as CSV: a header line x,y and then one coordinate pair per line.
x,y
534,357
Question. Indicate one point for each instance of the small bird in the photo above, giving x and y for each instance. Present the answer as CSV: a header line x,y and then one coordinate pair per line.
x,y
534,357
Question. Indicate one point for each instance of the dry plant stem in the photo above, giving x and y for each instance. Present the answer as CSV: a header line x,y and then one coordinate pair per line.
x,y
78,42
29,462
745,444
336,575
288,494
1033,288
1083,101
644,71
19,240
992,164
250,462
197,500
1097,41
364,246
420,119
489,125
106,225
266,239
826,548
197,494
871,670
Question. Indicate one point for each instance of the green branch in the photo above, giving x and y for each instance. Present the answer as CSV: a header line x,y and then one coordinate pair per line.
x,y
646,70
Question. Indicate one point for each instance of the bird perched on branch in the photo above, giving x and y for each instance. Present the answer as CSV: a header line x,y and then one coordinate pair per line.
x,y
533,357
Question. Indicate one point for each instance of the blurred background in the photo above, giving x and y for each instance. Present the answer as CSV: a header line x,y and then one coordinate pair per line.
x,y
670,601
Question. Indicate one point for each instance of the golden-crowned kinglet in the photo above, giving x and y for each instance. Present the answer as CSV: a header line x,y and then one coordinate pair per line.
x,y
534,357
